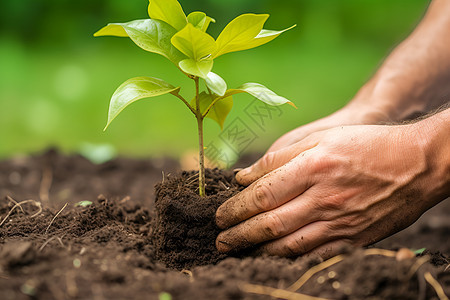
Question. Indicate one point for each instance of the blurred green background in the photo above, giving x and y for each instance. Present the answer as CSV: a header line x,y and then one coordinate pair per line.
x,y
56,79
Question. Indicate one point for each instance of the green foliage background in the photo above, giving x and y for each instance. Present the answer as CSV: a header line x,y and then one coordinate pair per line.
x,y
56,79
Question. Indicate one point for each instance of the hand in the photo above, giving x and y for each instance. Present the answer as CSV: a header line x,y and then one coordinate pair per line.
x,y
348,185
352,114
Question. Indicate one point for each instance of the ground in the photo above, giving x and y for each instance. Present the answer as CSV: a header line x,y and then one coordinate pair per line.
x,y
52,248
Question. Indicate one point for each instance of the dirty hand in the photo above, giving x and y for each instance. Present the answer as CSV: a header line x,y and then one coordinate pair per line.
x,y
351,185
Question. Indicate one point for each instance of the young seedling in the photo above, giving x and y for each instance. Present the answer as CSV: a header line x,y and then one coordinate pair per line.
x,y
183,40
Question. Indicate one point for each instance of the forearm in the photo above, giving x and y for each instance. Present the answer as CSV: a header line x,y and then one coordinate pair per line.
x,y
433,138
415,78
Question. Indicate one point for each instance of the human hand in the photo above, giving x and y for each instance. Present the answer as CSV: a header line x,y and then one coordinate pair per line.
x,y
352,114
348,185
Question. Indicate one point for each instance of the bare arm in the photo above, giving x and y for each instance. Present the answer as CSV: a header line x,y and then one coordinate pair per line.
x,y
414,79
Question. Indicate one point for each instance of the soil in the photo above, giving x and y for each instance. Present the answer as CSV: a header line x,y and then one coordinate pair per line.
x,y
115,248
184,229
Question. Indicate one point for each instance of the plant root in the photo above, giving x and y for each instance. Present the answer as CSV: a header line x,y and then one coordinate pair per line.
x,y
57,214
19,204
436,286
59,239
15,202
420,262
332,261
276,293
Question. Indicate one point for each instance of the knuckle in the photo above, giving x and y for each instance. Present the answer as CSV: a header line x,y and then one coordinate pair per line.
x,y
322,163
263,197
273,226
333,203
267,161
345,226
294,247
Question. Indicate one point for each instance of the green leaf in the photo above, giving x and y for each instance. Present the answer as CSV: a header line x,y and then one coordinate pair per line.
x,y
194,43
219,111
200,20
196,68
112,30
83,203
216,84
239,32
419,251
151,35
169,11
135,89
260,92
264,37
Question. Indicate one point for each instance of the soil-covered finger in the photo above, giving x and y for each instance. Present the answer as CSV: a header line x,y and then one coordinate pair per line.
x,y
271,225
301,241
275,159
269,192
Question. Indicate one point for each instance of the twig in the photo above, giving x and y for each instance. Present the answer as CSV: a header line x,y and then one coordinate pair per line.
x,y
276,293
436,286
35,203
57,214
332,261
46,183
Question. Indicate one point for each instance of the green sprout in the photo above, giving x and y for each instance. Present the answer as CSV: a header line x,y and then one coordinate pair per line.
x,y
183,40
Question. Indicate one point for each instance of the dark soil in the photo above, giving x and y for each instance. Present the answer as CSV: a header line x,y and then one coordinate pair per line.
x,y
184,230
115,249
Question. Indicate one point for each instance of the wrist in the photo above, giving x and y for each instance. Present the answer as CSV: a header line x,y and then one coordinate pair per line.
x,y
387,99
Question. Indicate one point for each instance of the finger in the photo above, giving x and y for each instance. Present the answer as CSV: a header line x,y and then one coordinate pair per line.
x,y
269,225
288,139
330,249
267,193
273,160
301,241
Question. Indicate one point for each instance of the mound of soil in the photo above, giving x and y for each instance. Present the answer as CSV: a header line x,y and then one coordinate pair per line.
x,y
114,249
184,230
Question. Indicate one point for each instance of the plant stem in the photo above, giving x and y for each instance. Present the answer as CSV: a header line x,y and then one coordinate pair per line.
x,y
201,149
185,102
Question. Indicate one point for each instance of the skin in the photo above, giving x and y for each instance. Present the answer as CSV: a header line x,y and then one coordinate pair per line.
x,y
343,180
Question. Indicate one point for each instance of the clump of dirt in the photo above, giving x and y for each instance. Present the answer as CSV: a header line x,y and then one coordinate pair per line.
x,y
184,230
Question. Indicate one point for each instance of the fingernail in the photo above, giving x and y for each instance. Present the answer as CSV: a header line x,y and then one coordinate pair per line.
x,y
223,246
219,219
237,170
243,173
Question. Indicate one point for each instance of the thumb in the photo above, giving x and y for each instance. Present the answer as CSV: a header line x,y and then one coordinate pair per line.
x,y
275,159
